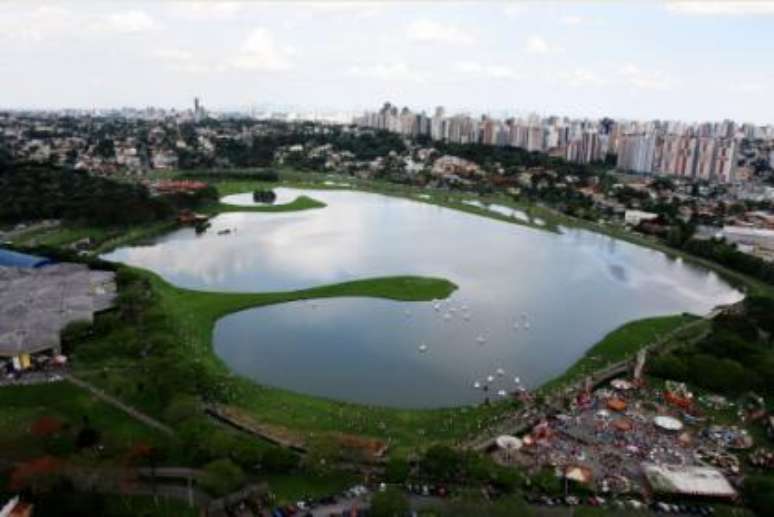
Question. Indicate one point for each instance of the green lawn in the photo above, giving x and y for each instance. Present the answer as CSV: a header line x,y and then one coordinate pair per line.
x,y
300,203
449,199
289,488
23,405
192,314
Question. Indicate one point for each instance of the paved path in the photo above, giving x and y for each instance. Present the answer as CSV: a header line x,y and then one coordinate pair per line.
x,y
134,413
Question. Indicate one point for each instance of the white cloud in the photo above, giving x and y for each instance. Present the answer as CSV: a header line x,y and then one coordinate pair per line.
x,y
181,60
491,71
645,79
357,9
387,71
571,20
748,87
727,8
49,22
173,54
202,10
429,31
514,10
260,52
584,77
539,45
37,24
126,22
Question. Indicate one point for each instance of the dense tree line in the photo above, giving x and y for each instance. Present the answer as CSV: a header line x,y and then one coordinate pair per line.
x,y
738,354
31,192
727,255
514,159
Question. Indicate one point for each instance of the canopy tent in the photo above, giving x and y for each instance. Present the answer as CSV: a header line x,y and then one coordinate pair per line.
x,y
10,258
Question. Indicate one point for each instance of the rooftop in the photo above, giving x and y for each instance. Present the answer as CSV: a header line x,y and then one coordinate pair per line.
x,y
687,480
36,304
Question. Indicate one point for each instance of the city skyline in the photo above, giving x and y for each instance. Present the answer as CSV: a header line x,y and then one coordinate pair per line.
x,y
692,61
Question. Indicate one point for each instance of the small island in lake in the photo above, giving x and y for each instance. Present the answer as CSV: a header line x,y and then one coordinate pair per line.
x,y
264,196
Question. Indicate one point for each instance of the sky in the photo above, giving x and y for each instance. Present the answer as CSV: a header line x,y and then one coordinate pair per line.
x,y
688,60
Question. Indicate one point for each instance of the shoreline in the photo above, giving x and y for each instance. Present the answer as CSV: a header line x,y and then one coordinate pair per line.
x,y
197,318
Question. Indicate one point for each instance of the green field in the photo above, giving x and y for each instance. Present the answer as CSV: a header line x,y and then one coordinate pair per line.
x,y
24,405
189,317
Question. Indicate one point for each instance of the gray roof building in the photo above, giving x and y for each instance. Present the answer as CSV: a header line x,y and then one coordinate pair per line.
x,y
36,304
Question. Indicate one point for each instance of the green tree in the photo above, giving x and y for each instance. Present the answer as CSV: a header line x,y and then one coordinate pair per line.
x,y
397,470
222,477
390,503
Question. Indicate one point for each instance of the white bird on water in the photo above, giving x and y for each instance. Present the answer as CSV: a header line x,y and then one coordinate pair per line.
x,y
526,325
517,380
500,372
516,325
481,340
423,348
490,378
437,306
477,385
502,393
447,316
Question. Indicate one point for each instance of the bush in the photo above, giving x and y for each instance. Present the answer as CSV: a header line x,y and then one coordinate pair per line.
x,y
669,367
722,375
442,463
390,503
182,407
222,477
279,460
397,470
759,493
74,333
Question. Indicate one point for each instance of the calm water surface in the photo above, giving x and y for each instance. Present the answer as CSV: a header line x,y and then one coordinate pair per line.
x,y
568,289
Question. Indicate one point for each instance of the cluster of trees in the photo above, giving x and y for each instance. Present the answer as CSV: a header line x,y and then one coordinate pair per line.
x,y
171,385
29,192
514,159
737,356
36,191
727,255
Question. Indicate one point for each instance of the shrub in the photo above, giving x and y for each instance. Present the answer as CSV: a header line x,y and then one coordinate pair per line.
x,y
182,407
390,503
668,367
279,460
759,493
397,470
222,477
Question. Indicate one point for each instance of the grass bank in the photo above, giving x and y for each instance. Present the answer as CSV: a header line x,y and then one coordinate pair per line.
x,y
623,343
300,203
191,316
23,406
292,178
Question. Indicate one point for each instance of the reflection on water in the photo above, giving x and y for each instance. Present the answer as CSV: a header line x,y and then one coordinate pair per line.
x,y
573,287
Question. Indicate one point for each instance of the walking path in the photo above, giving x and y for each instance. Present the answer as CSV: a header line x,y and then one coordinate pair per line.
x,y
134,413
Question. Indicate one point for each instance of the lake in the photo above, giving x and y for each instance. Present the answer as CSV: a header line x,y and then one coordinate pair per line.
x,y
529,303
